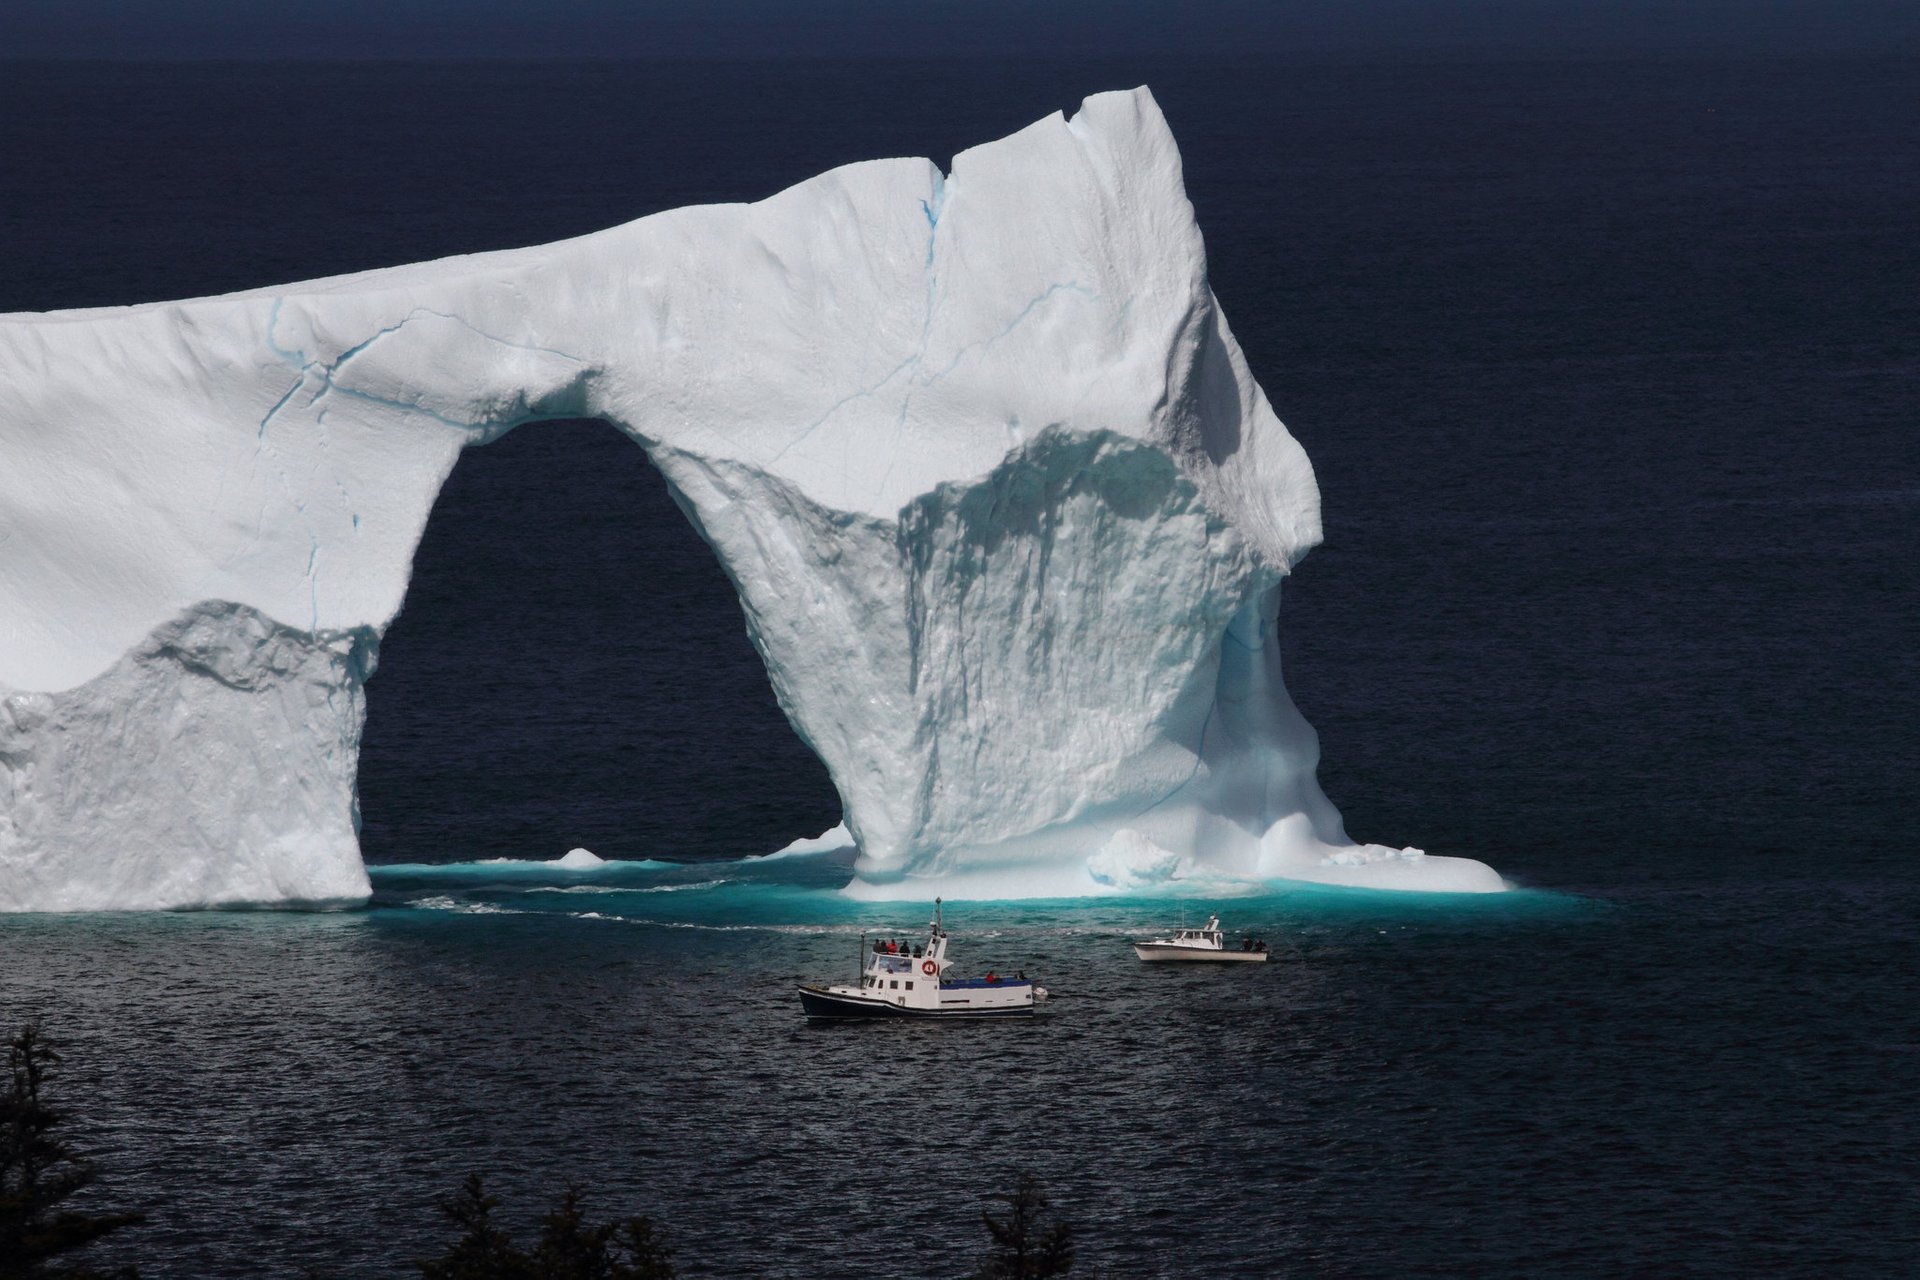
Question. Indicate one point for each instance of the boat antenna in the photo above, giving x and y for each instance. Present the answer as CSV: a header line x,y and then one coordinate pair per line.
x,y
936,915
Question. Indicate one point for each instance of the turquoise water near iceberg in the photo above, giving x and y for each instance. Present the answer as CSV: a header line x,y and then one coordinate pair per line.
x,y
803,892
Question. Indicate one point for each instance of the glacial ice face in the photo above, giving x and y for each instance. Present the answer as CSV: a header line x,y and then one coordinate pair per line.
x,y
207,767
1006,511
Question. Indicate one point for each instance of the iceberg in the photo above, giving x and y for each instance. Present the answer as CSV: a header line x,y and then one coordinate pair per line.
x,y
1007,514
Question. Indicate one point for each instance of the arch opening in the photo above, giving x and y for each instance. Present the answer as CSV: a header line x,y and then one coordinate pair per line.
x,y
571,669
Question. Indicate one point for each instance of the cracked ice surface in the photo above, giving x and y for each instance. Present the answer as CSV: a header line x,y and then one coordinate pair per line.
x,y
1005,508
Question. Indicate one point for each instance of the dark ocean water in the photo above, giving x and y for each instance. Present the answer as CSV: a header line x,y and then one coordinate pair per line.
x,y
1608,371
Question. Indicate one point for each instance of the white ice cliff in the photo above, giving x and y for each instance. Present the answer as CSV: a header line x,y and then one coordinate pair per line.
x,y
1007,514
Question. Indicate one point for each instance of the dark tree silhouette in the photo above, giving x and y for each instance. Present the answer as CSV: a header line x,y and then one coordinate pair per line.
x,y
1022,1247
570,1247
39,1173
484,1251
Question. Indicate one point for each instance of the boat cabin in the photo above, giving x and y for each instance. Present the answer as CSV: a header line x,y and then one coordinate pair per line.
x,y
896,968
1208,935
902,977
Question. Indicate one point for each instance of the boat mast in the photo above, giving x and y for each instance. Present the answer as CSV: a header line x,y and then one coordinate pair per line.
x,y
934,947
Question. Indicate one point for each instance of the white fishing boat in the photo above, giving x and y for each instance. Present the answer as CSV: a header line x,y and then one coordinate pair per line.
x,y
1207,944
911,980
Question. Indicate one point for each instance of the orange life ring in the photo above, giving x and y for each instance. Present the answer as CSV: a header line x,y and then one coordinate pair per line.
x,y
929,968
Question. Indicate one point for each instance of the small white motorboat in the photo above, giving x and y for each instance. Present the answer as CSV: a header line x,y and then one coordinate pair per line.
x,y
1207,944
909,980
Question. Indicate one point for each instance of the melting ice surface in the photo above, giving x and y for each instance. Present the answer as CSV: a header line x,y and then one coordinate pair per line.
x,y
1006,510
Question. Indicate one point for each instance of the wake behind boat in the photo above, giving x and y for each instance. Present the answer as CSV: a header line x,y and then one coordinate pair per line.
x,y
1207,944
904,980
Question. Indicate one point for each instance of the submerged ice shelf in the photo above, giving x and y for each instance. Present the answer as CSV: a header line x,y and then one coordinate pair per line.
x,y
1007,514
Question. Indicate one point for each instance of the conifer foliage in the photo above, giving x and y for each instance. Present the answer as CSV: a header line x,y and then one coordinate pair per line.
x,y
39,1173
569,1248
1024,1249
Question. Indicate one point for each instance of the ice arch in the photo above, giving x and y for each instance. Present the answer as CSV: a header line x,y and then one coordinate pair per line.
x,y
570,669
1005,509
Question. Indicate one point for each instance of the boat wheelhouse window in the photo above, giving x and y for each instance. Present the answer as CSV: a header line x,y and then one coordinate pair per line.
x,y
895,984
909,986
